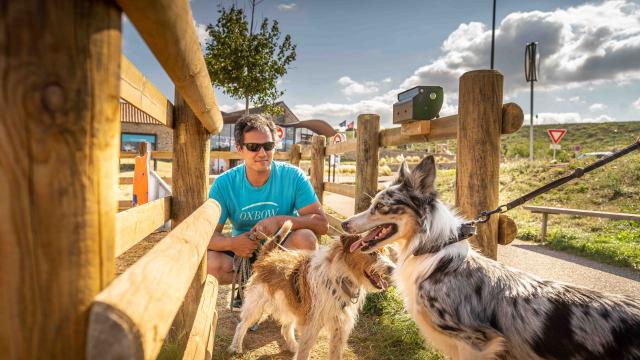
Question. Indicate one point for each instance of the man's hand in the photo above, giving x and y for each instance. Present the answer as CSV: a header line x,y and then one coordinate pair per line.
x,y
268,226
242,246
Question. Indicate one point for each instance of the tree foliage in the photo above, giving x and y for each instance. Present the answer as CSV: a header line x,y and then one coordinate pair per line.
x,y
245,65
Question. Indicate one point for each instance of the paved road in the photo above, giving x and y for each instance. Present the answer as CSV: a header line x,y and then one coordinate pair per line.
x,y
544,262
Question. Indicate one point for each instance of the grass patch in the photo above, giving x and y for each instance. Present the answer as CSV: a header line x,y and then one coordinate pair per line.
x,y
386,331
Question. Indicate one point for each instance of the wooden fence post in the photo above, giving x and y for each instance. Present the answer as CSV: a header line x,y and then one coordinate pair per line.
x,y
368,142
189,190
317,164
296,154
59,131
478,153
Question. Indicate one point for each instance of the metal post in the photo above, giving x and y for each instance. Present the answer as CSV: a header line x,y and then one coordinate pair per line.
x,y
531,127
493,33
531,75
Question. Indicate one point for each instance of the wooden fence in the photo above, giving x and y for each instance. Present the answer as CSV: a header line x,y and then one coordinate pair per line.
x,y
482,119
60,228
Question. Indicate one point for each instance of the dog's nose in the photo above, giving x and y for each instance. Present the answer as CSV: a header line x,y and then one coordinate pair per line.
x,y
345,225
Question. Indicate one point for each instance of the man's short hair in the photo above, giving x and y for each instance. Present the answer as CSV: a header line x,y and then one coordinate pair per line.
x,y
250,122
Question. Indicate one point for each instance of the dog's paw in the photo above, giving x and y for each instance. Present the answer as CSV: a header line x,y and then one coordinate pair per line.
x,y
234,350
292,347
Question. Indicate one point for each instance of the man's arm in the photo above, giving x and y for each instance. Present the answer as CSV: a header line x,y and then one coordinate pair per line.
x,y
241,245
310,217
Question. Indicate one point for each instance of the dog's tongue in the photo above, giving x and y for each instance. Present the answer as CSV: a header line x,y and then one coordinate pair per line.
x,y
362,242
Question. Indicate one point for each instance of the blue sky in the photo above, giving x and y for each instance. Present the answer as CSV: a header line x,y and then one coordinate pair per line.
x,y
355,56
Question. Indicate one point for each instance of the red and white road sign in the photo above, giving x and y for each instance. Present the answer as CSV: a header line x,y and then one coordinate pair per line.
x,y
556,134
338,138
279,133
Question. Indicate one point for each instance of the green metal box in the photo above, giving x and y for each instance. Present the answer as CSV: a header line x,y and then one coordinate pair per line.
x,y
418,103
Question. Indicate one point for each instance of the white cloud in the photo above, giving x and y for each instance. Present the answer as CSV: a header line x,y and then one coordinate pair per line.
x,y
387,80
567,118
636,104
287,7
232,107
203,34
597,107
577,51
356,88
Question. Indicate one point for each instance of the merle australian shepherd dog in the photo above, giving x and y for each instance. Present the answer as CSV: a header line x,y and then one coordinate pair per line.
x,y
472,307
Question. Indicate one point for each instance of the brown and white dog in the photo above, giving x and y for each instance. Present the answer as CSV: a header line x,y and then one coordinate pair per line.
x,y
472,307
310,291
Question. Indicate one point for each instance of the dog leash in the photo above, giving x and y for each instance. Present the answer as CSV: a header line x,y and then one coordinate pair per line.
x,y
468,229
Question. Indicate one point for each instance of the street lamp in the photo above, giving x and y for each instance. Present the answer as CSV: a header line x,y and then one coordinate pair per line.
x,y
531,75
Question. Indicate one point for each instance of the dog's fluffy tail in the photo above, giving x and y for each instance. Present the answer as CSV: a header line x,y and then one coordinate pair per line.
x,y
277,239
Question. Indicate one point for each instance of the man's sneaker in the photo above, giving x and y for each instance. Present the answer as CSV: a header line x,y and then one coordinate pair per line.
x,y
236,303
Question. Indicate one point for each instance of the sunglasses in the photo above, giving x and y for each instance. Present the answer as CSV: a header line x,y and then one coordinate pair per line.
x,y
255,147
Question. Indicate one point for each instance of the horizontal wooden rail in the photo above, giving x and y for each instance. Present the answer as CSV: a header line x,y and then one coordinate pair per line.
x,y
131,317
586,213
168,28
140,92
203,332
342,189
444,128
168,155
136,223
341,148
128,180
335,225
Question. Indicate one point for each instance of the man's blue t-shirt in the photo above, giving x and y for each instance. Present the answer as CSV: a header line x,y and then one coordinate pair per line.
x,y
286,191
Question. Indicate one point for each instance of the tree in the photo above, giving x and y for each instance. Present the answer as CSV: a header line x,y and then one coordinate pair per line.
x,y
247,65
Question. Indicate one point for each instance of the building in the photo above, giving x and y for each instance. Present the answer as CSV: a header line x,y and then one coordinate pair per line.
x,y
138,126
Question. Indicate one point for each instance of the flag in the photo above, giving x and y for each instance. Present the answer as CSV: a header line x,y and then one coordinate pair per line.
x,y
343,124
351,124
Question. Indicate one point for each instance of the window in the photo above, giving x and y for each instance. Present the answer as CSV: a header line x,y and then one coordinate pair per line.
x,y
130,141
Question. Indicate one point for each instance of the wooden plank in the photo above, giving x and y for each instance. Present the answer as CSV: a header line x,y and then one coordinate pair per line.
x,y
335,225
422,127
204,323
367,160
478,152
342,148
342,189
128,180
588,213
317,164
140,92
137,222
295,155
443,128
59,133
131,317
168,155
168,28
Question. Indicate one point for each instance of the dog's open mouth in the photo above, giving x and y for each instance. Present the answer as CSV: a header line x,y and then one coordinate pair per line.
x,y
373,237
376,280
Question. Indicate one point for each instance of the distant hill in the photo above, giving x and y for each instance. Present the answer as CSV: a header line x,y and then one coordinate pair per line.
x,y
590,137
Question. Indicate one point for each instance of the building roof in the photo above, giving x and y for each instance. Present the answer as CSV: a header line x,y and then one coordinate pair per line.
x,y
131,114
286,119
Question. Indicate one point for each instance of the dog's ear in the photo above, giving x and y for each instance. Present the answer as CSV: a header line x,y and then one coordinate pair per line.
x,y
404,174
424,175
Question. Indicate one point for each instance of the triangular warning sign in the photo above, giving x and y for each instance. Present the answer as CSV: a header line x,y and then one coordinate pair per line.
x,y
556,134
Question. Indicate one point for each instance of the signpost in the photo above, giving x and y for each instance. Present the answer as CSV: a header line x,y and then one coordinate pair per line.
x,y
334,160
279,133
556,135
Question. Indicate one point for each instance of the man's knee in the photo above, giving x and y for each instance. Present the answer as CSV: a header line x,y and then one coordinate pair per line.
x,y
219,264
303,239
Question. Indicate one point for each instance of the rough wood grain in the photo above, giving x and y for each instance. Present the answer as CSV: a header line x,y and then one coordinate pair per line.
x,y
478,153
335,227
342,148
59,130
367,160
204,323
295,155
512,118
439,129
168,28
131,317
317,164
507,230
136,223
190,168
140,92
421,127
342,189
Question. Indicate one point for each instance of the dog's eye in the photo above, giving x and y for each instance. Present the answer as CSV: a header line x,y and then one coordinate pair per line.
x,y
379,206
